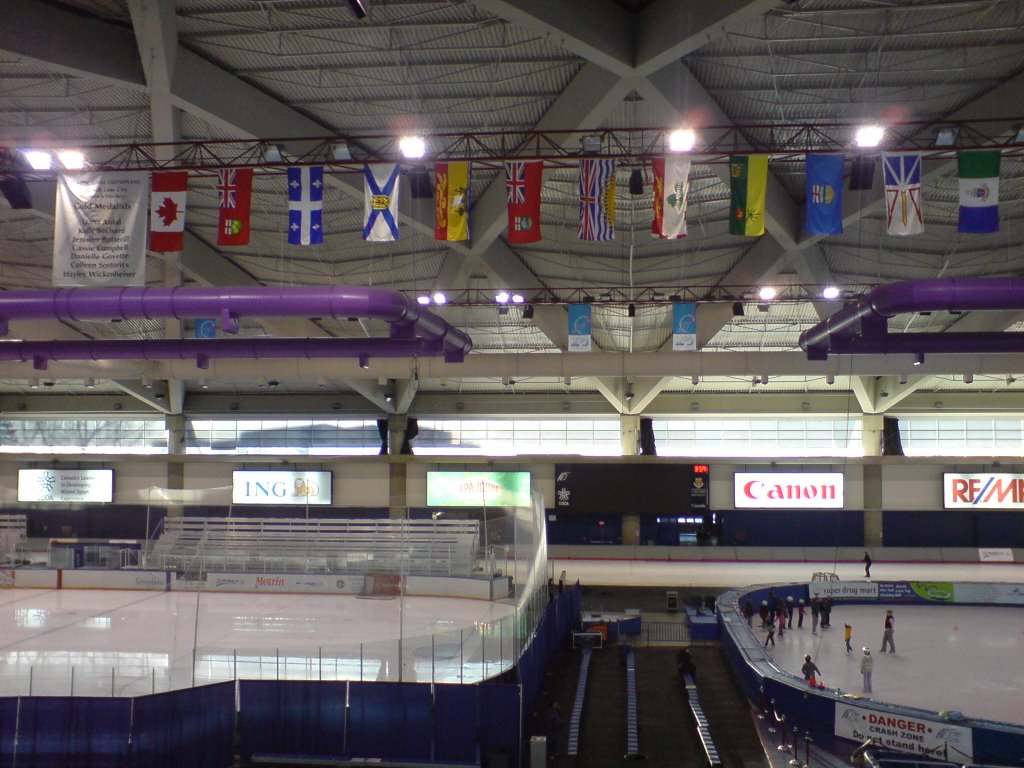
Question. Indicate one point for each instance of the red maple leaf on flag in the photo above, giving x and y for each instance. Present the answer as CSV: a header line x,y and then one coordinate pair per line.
x,y
168,211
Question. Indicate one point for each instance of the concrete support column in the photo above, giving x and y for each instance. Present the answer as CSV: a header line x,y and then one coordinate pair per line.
x,y
396,432
398,504
176,435
629,437
871,438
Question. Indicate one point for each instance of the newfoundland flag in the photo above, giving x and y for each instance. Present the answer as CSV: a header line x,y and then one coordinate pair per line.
x,y
979,191
824,195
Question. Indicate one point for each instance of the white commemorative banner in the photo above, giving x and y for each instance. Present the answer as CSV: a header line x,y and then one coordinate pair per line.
x,y
902,732
99,236
996,555
66,485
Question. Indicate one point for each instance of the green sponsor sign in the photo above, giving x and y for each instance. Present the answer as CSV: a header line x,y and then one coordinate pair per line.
x,y
933,591
478,489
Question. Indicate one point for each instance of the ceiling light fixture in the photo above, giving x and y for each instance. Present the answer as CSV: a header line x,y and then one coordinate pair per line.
x,y
39,159
968,378
695,379
364,361
517,298
946,137
440,298
902,378
273,153
591,144
830,292
830,379
764,378
682,140
869,136
71,159
90,383
358,8
423,300
412,147
340,151
919,358
502,297
528,312
767,293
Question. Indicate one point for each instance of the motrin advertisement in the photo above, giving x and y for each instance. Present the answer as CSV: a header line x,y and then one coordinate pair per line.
x,y
66,485
983,490
280,487
908,734
478,489
789,490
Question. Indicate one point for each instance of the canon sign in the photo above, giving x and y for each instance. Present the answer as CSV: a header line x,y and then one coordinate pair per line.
x,y
983,491
789,490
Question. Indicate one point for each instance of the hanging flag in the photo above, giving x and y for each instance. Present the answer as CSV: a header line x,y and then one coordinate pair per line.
x,y
579,327
597,199
671,187
451,199
305,205
684,327
99,236
979,191
234,187
380,224
522,182
748,185
903,212
824,195
167,199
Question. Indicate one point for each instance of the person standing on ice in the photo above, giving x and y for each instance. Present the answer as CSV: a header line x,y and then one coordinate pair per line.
x,y
889,629
867,665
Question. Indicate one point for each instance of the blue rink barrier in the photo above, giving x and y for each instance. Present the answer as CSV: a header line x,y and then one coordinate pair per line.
x,y
840,723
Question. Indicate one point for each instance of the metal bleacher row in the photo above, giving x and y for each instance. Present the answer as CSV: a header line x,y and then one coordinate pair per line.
x,y
410,547
12,536
703,728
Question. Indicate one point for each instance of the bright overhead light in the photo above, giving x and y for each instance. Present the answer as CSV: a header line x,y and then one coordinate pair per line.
x,y
767,293
517,298
413,147
71,159
440,298
502,297
423,300
38,159
682,140
869,135
830,292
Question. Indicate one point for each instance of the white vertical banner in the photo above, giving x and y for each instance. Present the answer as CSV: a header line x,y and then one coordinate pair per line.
x,y
99,236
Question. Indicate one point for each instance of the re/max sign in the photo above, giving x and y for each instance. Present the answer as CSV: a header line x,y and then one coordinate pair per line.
x,y
983,490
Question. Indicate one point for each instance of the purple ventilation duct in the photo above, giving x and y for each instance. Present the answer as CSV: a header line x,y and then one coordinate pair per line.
x,y
861,328
409,321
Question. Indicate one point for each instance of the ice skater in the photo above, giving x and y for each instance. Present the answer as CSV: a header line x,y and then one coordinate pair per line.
x,y
889,629
789,611
867,565
810,670
847,634
814,614
867,664
801,610
770,627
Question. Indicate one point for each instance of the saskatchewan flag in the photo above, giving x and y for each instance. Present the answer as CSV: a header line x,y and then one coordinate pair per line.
x,y
979,191
748,182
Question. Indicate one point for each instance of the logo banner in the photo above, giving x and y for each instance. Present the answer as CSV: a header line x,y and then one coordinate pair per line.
x,y
279,487
684,327
579,327
99,236
789,490
985,490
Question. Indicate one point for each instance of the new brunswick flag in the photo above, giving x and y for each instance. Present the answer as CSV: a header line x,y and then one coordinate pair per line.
x,y
748,184
451,201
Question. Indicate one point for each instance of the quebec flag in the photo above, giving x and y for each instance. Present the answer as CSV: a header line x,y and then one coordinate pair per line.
x,y
305,205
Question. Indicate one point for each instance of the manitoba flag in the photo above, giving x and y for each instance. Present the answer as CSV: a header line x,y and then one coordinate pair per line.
x,y
168,195
522,179
235,189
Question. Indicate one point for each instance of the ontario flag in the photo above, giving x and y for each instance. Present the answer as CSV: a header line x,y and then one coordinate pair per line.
x,y
671,186
234,187
168,194
903,213
597,199
522,183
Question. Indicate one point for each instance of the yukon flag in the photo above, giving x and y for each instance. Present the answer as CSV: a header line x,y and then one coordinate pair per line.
x,y
167,198
671,187
979,191
451,200
903,213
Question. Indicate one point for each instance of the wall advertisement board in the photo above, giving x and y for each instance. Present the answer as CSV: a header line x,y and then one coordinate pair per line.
x,y
280,487
788,490
982,490
903,732
66,485
478,489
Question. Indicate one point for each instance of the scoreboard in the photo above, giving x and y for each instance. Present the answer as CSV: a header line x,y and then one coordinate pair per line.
x,y
635,489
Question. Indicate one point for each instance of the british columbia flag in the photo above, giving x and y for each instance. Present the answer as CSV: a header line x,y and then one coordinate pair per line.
x,y
597,199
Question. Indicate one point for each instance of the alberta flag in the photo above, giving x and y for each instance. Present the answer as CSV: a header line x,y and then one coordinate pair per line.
x,y
979,191
903,213
824,195
597,199
305,205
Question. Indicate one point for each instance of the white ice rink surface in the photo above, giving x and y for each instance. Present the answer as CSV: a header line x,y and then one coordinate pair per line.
x,y
135,642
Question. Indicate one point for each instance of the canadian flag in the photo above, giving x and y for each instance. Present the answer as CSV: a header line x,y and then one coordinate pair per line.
x,y
167,199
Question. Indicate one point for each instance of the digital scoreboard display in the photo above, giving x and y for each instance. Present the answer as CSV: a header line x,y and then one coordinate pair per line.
x,y
635,489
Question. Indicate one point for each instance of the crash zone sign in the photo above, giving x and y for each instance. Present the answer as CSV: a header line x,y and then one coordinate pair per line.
x,y
907,734
984,490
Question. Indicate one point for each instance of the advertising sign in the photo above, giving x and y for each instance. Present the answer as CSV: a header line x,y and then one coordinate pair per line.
x,y
844,590
478,489
915,592
789,490
902,732
280,487
982,490
988,594
66,485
